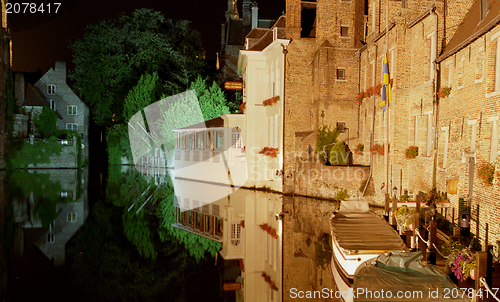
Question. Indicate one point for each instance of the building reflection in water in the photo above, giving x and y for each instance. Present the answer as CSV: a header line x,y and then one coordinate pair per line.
x,y
247,223
49,207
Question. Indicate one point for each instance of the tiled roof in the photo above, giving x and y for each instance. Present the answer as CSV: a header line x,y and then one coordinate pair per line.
x,y
472,27
267,38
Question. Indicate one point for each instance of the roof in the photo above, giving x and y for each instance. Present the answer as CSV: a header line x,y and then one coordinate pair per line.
x,y
33,96
356,232
217,122
268,37
472,27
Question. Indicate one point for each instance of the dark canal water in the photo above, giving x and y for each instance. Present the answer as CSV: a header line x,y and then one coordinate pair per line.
x,y
68,236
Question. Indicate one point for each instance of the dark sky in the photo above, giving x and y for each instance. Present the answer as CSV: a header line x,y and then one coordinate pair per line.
x,y
40,39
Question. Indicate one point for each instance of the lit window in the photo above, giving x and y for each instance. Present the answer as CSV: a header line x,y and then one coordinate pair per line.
x,y
72,110
72,126
51,89
71,217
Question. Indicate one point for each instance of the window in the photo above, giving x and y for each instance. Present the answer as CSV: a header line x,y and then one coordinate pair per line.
x,y
308,21
344,31
415,138
51,89
494,138
236,140
446,133
497,67
218,140
71,217
72,110
452,186
50,238
473,123
52,104
235,233
340,73
72,126
479,65
429,134
341,126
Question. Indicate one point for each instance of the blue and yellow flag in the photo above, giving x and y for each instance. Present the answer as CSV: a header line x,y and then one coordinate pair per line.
x,y
386,86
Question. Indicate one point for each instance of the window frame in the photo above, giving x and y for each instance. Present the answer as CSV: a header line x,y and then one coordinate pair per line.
x,y
72,126
51,89
72,108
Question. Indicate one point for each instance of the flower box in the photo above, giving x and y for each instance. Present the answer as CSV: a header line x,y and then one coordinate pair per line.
x,y
270,230
269,151
271,101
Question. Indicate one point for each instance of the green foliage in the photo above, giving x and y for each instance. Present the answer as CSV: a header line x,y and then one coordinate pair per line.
x,y
143,94
197,246
339,155
118,144
326,138
46,122
404,198
129,47
341,195
21,154
213,102
138,231
45,192
108,268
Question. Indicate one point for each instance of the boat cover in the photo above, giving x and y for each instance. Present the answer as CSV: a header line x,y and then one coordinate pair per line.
x,y
363,232
403,277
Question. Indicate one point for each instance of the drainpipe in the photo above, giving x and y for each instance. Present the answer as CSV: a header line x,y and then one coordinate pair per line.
x,y
373,126
285,52
436,84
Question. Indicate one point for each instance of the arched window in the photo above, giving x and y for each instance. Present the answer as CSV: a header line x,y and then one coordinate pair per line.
x,y
237,141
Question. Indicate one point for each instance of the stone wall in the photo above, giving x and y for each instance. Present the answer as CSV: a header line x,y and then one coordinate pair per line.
x,y
68,158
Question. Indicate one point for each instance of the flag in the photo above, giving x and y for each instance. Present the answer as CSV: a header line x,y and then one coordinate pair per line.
x,y
386,86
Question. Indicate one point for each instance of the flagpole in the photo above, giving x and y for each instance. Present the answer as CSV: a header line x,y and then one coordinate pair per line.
x,y
386,146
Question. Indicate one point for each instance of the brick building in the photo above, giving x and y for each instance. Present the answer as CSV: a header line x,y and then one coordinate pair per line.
x,y
337,51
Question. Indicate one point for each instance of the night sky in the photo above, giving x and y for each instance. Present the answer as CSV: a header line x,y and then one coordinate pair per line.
x,y
40,39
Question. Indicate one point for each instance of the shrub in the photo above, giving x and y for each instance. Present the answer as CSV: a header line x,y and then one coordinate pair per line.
x,y
341,195
339,155
326,138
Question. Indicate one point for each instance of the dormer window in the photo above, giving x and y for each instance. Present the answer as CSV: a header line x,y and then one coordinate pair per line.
x,y
51,89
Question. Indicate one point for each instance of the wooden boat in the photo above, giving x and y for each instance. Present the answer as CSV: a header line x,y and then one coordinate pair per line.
x,y
357,236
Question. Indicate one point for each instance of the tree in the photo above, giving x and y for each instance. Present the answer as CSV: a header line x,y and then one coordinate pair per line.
x,y
46,122
114,54
213,102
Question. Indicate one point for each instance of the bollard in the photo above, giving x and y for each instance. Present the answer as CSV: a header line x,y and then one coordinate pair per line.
x,y
387,207
481,271
394,209
431,251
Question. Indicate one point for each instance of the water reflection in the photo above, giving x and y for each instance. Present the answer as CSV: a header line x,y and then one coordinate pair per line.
x,y
51,205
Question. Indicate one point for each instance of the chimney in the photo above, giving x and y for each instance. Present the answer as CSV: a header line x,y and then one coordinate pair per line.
x,y
61,69
255,15
247,13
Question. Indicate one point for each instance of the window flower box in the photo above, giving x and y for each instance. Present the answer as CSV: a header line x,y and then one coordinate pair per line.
x,y
269,229
444,92
271,101
359,149
267,278
269,151
411,152
377,149
486,173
